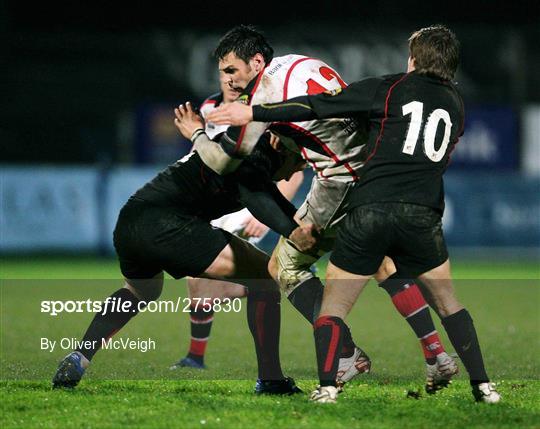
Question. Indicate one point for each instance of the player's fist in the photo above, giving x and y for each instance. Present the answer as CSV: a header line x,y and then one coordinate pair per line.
x,y
305,237
232,114
187,120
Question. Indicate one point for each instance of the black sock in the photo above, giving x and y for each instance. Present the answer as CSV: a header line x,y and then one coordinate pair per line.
x,y
104,326
264,320
410,303
460,329
201,318
307,299
328,332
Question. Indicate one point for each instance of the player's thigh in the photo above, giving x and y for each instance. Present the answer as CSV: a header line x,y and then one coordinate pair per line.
x,y
130,236
239,260
325,204
153,239
362,240
418,244
289,266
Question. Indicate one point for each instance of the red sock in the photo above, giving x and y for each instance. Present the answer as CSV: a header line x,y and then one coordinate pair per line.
x,y
411,304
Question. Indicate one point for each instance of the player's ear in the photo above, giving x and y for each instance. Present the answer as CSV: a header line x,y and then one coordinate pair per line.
x,y
257,62
411,66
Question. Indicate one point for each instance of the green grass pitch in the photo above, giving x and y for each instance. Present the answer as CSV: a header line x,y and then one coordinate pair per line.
x,y
135,389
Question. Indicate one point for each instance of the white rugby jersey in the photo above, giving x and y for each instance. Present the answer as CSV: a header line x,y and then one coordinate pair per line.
x,y
331,146
211,129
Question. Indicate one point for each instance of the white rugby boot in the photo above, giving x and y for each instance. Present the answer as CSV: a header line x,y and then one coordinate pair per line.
x,y
485,392
324,395
350,367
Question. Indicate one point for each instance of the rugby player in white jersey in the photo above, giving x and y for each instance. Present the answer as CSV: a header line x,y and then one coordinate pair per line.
x,y
333,147
202,291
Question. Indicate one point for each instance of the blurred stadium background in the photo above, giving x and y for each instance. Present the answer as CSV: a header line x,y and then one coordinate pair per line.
x,y
88,93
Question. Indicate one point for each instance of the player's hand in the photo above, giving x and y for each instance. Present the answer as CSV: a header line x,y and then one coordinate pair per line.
x,y
187,120
305,237
254,228
232,114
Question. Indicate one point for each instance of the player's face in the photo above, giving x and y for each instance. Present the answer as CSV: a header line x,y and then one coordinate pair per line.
x,y
236,73
229,94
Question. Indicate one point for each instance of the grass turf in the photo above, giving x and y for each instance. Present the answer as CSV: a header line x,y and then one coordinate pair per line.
x,y
130,388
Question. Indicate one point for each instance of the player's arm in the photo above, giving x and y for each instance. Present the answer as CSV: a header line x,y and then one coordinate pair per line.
x,y
214,154
270,207
234,145
355,99
253,227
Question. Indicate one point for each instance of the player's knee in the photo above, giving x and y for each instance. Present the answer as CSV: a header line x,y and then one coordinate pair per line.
x,y
246,261
151,294
290,279
194,286
146,290
273,268
222,266
234,291
447,307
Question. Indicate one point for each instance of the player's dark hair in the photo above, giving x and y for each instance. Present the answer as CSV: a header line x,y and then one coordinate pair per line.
x,y
435,51
244,41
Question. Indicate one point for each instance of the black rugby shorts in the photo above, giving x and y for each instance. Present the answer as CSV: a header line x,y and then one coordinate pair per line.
x,y
410,234
149,239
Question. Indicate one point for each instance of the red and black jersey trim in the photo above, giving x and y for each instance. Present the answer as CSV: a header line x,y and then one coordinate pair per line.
x,y
385,118
215,99
305,139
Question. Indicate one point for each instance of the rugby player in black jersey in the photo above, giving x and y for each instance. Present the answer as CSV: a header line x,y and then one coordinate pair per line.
x,y
204,292
165,226
415,120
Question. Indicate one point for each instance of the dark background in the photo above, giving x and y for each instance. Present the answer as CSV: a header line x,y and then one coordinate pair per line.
x,y
75,76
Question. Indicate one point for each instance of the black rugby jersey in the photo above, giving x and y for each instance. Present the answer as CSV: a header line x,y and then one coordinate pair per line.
x,y
191,187
415,120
